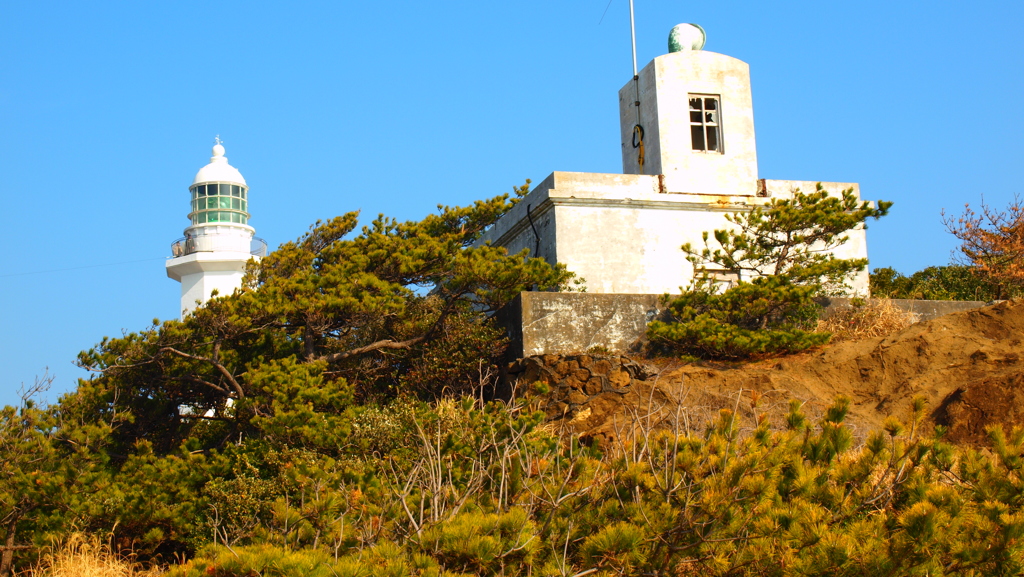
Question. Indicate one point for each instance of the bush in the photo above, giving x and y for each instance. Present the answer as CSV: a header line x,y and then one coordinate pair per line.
x,y
780,255
872,318
736,498
992,244
768,315
85,556
943,283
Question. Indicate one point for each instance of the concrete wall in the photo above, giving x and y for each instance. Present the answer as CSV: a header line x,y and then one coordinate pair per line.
x,y
665,86
857,244
622,232
200,286
921,309
201,273
571,323
544,322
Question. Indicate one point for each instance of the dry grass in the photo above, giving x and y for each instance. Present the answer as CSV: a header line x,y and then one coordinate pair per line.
x,y
875,318
86,556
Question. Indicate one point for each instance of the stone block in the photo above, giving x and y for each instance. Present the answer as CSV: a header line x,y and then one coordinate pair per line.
x,y
601,367
619,379
577,397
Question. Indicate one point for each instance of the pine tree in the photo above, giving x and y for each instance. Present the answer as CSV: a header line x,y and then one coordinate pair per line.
x,y
781,254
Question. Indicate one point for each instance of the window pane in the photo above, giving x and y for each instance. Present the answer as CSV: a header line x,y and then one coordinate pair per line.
x,y
236,190
243,205
695,104
713,138
236,204
225,202
201,218
244,192
694,116
710,104
200,190
711,117
697,136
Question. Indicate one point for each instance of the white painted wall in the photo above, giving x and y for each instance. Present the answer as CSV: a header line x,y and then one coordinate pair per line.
x,y
218,263
623,235
201,273
198,288
622,232
665,86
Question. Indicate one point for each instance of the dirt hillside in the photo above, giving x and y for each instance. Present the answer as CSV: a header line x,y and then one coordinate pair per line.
x,y
967,365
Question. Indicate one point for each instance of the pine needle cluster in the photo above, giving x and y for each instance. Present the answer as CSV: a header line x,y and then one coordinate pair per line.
x,y
780,258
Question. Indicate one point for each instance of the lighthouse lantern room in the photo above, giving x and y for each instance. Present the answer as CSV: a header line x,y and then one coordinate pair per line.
x,y
219,241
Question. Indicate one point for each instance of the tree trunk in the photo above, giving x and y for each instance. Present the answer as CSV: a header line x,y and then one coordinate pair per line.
x,y
309,343
8,556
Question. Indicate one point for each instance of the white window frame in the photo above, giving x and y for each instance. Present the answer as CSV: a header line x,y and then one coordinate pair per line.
x,y
708,120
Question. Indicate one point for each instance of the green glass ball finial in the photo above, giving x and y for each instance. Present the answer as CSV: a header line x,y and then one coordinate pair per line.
x,y
686,37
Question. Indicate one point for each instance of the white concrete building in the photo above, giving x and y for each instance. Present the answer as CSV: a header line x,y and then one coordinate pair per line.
x,y
219,241
688,157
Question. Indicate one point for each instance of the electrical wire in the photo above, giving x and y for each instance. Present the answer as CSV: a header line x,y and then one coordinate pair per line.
x,y
79,268
605,12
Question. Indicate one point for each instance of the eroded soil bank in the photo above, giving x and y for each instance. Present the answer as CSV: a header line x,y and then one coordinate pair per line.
x,y
967,365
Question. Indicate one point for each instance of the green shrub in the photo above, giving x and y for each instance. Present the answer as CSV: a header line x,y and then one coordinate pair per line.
x,y
944,283
780,256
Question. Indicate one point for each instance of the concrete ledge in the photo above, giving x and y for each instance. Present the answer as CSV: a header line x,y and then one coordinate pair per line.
x,y
921,309
539,323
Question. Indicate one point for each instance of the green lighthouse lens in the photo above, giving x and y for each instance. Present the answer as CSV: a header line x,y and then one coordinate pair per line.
x,y
219,202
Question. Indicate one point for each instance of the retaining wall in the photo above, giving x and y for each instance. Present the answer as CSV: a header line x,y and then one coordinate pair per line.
x,y
540,323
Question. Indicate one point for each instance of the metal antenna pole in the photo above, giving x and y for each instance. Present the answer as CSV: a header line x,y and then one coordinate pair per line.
x,y
632,34
638,130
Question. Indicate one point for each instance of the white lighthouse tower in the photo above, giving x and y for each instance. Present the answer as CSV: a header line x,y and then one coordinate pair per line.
x,y
219,241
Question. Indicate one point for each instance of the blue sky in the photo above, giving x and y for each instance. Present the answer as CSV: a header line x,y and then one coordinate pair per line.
x,y
108,109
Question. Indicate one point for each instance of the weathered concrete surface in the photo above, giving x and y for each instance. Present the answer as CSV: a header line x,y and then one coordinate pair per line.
x,y
548,323
666,84
921,309
622,233
544,323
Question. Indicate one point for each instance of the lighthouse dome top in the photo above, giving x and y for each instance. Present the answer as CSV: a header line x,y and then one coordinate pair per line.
x,y
219,170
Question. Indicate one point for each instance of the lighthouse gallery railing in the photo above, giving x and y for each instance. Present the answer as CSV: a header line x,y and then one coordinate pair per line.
x,y
185,246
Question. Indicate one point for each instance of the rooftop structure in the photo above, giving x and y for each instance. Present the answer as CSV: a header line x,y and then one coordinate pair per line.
x,y
688,158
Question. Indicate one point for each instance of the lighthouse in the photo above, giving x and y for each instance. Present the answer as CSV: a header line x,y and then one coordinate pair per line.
x,y
219,241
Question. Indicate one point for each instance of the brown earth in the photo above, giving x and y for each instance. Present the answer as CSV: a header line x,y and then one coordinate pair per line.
x,y
968,366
